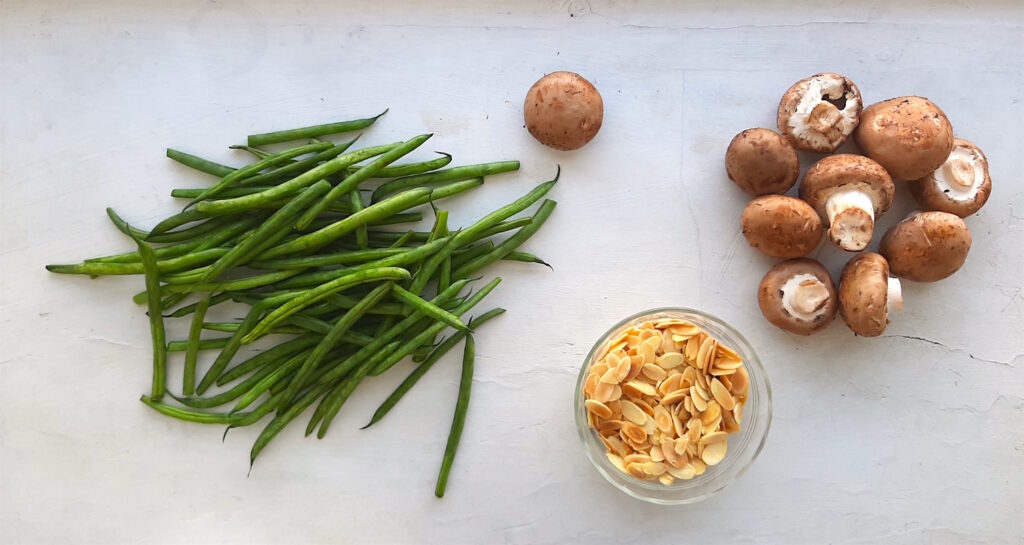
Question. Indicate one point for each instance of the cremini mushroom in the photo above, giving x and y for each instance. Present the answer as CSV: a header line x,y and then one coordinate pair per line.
x,y
781,226
926,246
849,191
909,136
960,186
868,295
563,110
797,295
762,162
820,112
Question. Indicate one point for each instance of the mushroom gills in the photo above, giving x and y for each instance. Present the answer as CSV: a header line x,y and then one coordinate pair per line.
x,y
960,177
822,112
851,218
893,296
805,297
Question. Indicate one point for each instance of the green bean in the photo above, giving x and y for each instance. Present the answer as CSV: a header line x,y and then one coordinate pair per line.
x,y
183,284
156,319
193,416
256,167
298,167
427,308
352,181
198,163
435,355
315,294
315,278
189,309
263,385
188,385
395,171
230,395
123,226
264,235
324,260
525,257
281,420
228,193
331,339
204,344
432,331
471,252
177,220
256,414
231,327
459,420
163,266
444,279
362,238
279,352
403,239
312,131
449,175
231,348
311,176
341,394
256,152
502,227
509,244
176,250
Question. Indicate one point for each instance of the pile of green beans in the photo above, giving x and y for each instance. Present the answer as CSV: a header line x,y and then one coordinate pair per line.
x,y
295,239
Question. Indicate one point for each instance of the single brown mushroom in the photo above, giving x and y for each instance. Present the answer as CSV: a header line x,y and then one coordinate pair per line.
x,y
868,295
960,186
563,110
797,295
761,162
926,246
781,226
820,112
909,136
849,192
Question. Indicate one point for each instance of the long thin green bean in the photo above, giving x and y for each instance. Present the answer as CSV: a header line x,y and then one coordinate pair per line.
x,y
508,245
362,237
459,420
163,266
193,416
231,348
428,308
313,131
281,420
298,167
448,175
189,309
198,163
256,167
188,384
326,260
396,171
272,378
177,220
279,352
156,319
204,344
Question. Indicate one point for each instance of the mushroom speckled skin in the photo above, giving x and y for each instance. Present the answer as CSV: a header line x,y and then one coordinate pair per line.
x,y
563,110
762,162
960,186
781,226
820,112
909,136
849,192
926,246
798,295
867,295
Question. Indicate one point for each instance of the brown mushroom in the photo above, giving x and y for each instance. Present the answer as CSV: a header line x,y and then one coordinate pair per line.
x,y
781,226
960,186
909,136
849,192
761,162
926,246
797,295
820,112
868,295
563,110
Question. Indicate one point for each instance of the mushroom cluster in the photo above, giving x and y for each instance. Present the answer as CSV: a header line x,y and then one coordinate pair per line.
x,y
905,140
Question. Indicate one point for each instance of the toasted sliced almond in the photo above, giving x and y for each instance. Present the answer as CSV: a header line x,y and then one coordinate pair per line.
x,y
645,405
729,424
667,344
685,473
700,403
656,454
636,364
633,432
598,408
713,437
714,452
650,426
590,384
684,328
740,382
612,376
718,372
694,429
688,406
706,353
639,387
737,413
674,397
599,368
670,384
666,479
667,447
616,408
722,395
636,470
670,360
636,458
616,392
655,468
692,348
677,425
646,351
681,446
616,461
726,381
603,392
633,413
725,352
609,426
663,419
647,334
654,372
702,381
713,412
698,466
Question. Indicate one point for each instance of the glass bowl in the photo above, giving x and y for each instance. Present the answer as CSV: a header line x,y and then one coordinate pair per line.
x,y
744,446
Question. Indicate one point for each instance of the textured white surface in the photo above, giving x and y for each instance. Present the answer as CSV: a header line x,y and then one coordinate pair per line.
x,y
916,437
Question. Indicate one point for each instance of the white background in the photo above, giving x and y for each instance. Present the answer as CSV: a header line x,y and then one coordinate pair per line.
x,y
914,437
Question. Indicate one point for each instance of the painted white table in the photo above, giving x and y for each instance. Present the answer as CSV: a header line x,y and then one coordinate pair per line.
x,y
915,437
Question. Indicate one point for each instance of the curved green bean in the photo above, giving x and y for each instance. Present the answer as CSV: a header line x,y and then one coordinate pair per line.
x,y
396,171
188,385
163,266
156,319
510,244
193,416
198,163
279,352
326,260
449,175
231,348
298,167
282,419
272,378
256,167
313,131
459,420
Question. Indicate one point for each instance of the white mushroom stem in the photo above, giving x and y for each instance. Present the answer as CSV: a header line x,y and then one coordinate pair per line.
x,y
961,175
894,296
851,218
804,297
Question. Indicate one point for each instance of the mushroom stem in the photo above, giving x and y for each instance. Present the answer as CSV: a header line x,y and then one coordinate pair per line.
x,y
894,296
804,297
851,218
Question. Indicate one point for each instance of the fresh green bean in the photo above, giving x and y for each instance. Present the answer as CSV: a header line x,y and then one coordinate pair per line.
x,y
508,245
470,253
256,167
256,414
256,152
163,266
325,260
231,394
298,167
123,226
459,420
188,385
362,237
231,327
272,378
177,220
250,282
198,163
280,352
395,171
193,416
435,355
228,193
502,227
352,181
231,348
427,308
156,319
311,132
449,175
189,309
444,278
311,176
315,278
526,257
282,419
204,344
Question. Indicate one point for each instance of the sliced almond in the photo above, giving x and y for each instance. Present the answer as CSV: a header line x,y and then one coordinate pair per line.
x,y
685,473
699,402
729,424
598,408
713,412
684,328
722,395
681,446
702,381
663,419
667,344
677,425
613,376
672,398
688,406
727,353
667,447
645,405
616,408
694,430
670,360
636,364
616,461
636,470
737,413
633,432
633,413
654,372
647,334
609,426
590,384
666,479
633,341
719,372
655,468
656,454
646,351
692,347
705,353
713,437
599,368
714,452
698,466
650,426
670,384
740,382
640,388
616,392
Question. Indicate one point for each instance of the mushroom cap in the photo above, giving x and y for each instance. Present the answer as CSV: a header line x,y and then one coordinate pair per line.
x,y
770,296
762,162
847,171
926,246
563,110
960,186
863,287
909,136
781,226
820,112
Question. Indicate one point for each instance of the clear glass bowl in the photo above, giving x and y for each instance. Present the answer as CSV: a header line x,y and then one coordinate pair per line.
x,y
744,446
